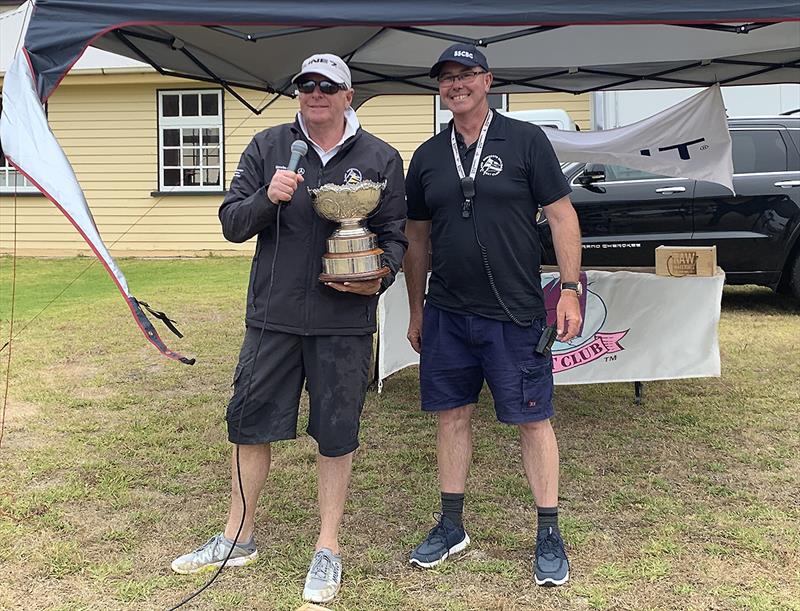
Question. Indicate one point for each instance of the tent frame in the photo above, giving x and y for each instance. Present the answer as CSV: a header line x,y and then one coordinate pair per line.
x,y
668,77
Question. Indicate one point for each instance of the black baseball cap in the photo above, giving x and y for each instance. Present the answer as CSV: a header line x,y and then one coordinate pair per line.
x,y
461,53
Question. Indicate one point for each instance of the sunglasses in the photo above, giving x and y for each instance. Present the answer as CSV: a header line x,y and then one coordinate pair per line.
x,y
325,86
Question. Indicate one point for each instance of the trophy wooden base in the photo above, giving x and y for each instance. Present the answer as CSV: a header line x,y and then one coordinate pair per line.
x,y
357,277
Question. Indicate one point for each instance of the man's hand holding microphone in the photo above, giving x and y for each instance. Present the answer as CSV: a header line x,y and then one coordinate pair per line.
x,y
282,186
285,182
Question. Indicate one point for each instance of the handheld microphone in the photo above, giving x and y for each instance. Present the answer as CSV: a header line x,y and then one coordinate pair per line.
x,y
299,149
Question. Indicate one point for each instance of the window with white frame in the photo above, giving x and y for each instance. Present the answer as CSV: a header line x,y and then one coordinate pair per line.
x,y
190,140
12,181
497,101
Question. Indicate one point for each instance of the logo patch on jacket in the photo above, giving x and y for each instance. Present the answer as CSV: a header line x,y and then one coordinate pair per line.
x,y
352,176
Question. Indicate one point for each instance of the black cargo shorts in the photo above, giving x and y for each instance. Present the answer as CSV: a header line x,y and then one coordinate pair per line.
x,y
335,369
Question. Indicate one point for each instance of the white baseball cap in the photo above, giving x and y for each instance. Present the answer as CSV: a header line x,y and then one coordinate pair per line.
x,y
329,65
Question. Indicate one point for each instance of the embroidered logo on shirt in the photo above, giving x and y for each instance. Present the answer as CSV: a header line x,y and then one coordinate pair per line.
x,y
352,176
491,165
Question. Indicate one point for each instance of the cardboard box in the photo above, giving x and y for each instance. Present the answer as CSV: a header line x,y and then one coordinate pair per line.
x,y
679,261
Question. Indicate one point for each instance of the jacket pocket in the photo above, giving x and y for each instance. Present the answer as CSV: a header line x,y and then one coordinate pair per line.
x,y
336,310
537,383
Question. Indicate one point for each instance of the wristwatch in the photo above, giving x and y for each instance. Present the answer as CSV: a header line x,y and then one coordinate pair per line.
x,y
572,286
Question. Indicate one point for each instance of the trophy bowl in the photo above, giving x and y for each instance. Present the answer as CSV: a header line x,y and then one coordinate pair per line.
x,y
352,253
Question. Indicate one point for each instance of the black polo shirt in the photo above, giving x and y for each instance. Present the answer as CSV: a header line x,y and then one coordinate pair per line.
x,y
518,173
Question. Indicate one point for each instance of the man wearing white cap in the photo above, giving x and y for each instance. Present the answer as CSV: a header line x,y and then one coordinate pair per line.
x,y
299,330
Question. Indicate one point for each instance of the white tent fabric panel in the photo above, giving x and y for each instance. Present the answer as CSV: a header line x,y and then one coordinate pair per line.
x,y
32,149
30,146
654,144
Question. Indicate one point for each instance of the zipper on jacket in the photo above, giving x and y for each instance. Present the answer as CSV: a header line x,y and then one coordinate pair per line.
x,y
256,257
311,263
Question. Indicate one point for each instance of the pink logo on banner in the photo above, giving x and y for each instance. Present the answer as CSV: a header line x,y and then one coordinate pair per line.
x,y
593,313
601,345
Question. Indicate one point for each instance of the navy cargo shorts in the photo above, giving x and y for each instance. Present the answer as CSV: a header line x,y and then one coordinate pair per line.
x,y
460,351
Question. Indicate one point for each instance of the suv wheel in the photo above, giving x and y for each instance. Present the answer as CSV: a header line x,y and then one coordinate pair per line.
x,y
793,279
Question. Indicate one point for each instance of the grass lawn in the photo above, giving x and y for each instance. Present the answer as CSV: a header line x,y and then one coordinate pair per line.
x,y
115,460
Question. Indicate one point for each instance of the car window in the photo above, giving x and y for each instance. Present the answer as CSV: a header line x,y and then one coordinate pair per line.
x,y
794,134
621,172
758,151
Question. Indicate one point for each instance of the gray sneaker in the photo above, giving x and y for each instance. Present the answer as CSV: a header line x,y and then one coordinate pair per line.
x,y
211,555
324,577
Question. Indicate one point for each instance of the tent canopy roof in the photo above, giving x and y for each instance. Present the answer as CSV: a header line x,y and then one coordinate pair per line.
x,y
570,46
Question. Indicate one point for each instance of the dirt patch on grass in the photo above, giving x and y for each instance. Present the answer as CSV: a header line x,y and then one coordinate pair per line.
x,y
17,416
19,412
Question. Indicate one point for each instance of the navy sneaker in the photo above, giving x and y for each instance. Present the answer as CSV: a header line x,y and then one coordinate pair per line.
x,y
444,540
550,566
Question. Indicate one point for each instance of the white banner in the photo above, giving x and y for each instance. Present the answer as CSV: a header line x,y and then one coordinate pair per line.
x,y
31,148
637,327
394,351
688,140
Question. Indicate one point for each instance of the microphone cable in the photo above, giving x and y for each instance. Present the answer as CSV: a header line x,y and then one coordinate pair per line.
x,y
241,412
490,276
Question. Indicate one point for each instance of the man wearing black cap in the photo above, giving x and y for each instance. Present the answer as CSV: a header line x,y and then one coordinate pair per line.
x,y
473,191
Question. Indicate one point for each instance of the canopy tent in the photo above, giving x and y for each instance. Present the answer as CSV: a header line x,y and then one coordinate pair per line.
x,y
570,46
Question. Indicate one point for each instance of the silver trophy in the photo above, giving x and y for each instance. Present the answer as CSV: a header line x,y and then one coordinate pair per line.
x,y
352,251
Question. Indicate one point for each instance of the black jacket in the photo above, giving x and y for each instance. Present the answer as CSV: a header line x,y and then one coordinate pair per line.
x,y
300,303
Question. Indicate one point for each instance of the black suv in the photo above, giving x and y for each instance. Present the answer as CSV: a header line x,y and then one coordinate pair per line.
x,y
625,214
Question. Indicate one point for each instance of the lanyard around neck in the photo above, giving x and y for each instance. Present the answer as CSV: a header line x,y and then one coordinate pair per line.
x,y
468,182
478,148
